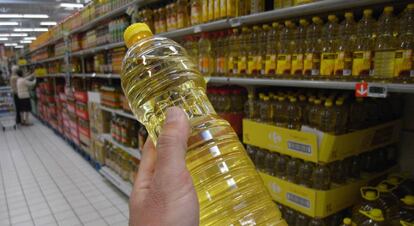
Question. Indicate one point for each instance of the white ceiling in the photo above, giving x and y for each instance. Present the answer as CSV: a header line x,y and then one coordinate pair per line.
x,y
49,7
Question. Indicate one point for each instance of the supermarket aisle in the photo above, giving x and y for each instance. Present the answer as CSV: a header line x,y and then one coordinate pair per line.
x,y
44,182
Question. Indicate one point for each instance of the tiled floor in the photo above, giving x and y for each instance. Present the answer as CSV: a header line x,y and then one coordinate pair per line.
x,y
44,182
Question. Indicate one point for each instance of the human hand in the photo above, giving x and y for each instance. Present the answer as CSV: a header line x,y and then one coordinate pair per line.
x,y
163,192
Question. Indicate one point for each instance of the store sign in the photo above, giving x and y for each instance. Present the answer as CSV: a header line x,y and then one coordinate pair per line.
x,y
361,89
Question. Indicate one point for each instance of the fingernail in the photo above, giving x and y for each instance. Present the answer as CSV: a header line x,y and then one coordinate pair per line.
x,y
173,114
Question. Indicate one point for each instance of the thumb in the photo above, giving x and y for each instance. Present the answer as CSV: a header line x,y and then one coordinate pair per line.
x,y
172,143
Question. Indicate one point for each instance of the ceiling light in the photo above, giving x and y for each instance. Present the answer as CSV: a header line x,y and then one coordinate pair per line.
x,y
4,39
29,16
10,44
48,23
29,38
18,47
71,5
8,23
13,34
25,41
30,29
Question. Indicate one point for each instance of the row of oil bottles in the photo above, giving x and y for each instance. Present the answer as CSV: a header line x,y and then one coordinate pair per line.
x,y
322,176
368,49
328,111
183,13
227,99
390,203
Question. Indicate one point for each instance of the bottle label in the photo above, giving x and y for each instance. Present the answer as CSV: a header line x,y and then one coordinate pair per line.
x,y
403,63
231,65
384,63
270,65
204,65
195,14
204,13
311,64
242,64
223,8
343,63
327,64
220,65
180,20
361,64
297,64
251,65
284,64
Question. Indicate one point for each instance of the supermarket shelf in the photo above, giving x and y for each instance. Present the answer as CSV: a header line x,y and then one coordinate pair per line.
x,y
45,44
57,75
323,84
116,180
295,11
96,75
118,112
98,48
132,151
46,60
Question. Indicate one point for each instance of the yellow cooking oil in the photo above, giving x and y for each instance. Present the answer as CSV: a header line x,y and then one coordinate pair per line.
x,y
157,74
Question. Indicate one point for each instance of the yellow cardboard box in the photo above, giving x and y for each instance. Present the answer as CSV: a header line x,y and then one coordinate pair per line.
x,y
316,203
317,146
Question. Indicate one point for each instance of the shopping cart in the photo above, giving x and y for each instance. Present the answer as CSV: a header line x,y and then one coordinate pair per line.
x,y
7,108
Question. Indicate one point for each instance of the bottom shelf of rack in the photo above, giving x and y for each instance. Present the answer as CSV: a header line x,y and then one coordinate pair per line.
x,y
116,180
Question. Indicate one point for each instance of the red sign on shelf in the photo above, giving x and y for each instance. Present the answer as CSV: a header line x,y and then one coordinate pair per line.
x,y
361,89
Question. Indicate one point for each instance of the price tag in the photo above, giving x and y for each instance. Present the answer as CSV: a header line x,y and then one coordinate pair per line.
x,y
235,22
377,90
197,29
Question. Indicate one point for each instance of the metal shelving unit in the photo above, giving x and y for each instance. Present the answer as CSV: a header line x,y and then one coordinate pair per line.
x,y
132,151
96,75
116,180
118,112
323,84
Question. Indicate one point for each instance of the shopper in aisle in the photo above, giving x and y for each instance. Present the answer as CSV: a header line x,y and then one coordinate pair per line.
x,y
13,84
163,192
23,86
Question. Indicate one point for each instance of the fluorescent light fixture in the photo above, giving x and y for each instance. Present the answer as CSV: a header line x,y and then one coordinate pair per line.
x,y
18,47
28,16
29,38
25,41
48,23
71,5
30,29
13,34
10,44
8,23
4,39
18,34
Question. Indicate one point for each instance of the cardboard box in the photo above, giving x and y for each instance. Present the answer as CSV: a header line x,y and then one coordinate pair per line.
x,y
317,146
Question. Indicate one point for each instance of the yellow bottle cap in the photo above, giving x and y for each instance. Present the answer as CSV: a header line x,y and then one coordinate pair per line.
x,y
317,101
245,29
275,24
288,23
316,19
382,187
261,94
303,22
388,9
292,99
370,195
265,26
332,18
281,98
302,97
339,102
367,12
136,32
408,200
376,214
265,98
410,6
255,27
349,15
347,221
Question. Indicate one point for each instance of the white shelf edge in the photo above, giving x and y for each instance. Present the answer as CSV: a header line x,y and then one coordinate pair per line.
x,y
116,180
132,151
96,75
325,84
118,112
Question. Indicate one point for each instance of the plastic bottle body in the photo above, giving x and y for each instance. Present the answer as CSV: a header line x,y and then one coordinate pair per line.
x,y
157,74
